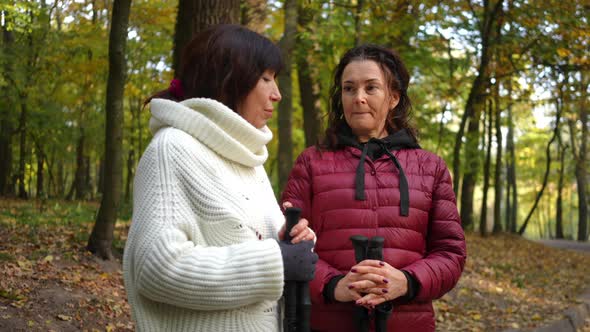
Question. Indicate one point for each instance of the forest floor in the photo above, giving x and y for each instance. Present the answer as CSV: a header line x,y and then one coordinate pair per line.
x,y
48,282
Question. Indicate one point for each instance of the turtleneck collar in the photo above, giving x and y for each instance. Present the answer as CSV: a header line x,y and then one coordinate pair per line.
x,y
216,126
375,148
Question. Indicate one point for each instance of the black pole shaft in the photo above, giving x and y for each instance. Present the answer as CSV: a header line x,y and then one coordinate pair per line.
x,y
290,291
383,310
361,315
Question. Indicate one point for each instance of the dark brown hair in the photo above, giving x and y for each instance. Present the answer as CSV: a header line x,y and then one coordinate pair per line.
x,y
224,62
397,78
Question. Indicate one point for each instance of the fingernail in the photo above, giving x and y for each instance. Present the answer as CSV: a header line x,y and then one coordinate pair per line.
x,y
381,263
350,286
386,281
358,302
353,270
384,290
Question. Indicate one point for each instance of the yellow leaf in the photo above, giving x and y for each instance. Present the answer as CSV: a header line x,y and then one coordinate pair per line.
x,y
563,52
64,317
48,258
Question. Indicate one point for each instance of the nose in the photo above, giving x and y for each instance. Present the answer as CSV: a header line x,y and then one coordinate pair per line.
x,y
275,95
360,97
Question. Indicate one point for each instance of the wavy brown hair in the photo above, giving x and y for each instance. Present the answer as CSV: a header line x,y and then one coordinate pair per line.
x,y
397,77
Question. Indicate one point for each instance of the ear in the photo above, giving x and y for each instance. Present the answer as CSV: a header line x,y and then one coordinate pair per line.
x,y
394,100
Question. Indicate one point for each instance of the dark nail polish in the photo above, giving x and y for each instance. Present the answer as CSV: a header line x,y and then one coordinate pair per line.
x,y
386,281
350,286
353,270
381,263
384,290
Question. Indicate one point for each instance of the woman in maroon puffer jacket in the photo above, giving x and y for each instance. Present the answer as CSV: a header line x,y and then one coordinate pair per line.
x,y
369,177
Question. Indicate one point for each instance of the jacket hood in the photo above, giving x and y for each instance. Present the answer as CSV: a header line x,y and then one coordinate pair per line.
x,y
375,148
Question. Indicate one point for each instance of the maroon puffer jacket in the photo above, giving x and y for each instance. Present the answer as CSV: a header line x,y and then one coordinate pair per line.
x,y
429,243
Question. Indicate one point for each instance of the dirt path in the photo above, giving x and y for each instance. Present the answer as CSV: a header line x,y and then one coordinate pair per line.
x,y
567,244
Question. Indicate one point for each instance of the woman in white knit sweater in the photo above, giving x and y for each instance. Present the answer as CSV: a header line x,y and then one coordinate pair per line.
x,y
203,252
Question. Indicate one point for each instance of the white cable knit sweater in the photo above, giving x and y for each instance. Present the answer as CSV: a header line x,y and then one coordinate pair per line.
x,y
201,253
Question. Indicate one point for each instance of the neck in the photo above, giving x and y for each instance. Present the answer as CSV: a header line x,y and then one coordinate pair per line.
x,y
365,137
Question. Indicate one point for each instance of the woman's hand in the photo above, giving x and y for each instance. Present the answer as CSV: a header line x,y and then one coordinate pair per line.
x,y
299,232
343,292
380,282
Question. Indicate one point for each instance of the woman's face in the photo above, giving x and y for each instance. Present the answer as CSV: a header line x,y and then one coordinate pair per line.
x,y
366,99
257,107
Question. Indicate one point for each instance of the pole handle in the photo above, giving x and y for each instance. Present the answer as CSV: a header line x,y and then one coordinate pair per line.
x,y
292,215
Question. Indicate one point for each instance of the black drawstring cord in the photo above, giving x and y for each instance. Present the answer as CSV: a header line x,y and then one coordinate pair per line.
x,y
404,191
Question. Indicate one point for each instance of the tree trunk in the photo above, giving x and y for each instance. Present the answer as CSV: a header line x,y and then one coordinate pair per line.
x,y
6,124
498,167
129,178
101,238
559,202
196,15
40,169
547,166
254,14
472,157
473,109
101,175
447,108
287,44
358,22
78,190
483,225
580,157
22,128
511,189
312,121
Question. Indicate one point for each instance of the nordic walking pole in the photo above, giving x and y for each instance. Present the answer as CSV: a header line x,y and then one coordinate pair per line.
x,y
290,291
361,315
383,310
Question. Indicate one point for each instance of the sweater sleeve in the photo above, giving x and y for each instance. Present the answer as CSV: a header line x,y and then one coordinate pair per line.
x,y
439,271
173,262
299,192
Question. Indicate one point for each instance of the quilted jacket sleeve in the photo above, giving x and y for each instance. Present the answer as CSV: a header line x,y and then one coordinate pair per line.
x,y
439,271
298,191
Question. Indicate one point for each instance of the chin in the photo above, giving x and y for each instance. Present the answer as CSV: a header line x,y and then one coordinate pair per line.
x,y
359,128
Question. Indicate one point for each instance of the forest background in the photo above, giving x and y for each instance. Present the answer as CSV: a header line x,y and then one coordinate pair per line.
x,y
499,89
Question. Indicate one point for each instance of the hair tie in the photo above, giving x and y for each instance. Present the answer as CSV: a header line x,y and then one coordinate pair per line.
x,y
176,89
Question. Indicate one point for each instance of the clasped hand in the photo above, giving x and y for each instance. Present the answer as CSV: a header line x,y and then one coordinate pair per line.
x,y
370,283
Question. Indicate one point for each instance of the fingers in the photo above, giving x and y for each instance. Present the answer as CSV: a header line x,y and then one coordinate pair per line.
x,y
370,283
287,204
301,232
370,300
362,285
282,233
374,263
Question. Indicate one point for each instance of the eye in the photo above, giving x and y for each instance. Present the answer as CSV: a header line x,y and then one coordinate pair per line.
x,y
347,88
266,79
371,88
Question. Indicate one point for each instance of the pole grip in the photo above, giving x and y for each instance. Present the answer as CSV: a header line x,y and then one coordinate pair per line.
x,y
359,243
292,218
375,248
